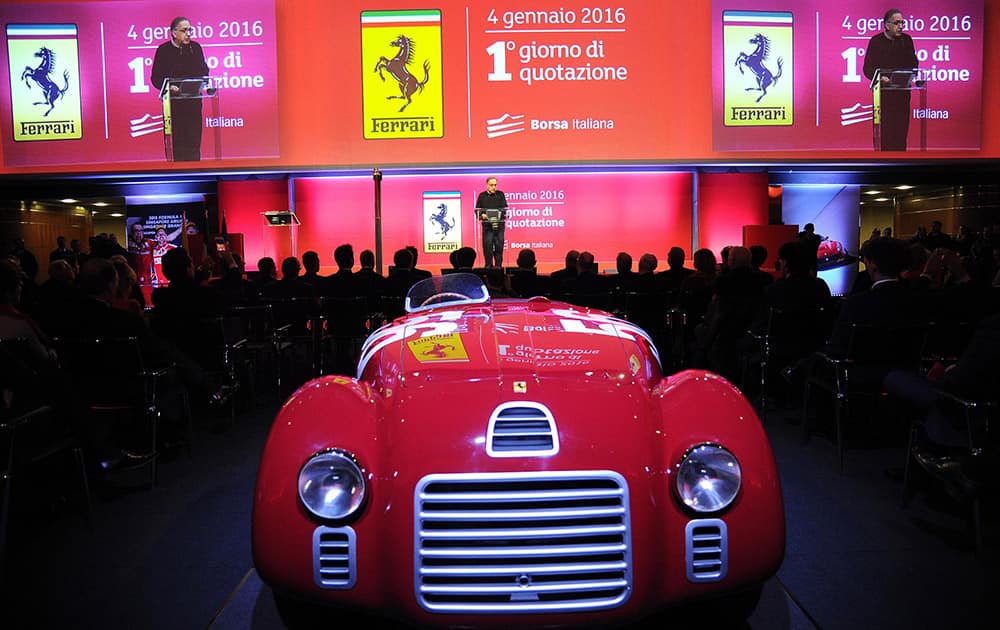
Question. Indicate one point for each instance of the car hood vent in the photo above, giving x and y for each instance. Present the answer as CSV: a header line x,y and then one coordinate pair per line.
x,y
522,429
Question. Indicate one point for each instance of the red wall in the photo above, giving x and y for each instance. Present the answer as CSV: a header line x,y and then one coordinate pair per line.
x,y
727,202
243,202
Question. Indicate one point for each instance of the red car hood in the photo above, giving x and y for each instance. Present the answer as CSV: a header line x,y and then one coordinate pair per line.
x,y
442,384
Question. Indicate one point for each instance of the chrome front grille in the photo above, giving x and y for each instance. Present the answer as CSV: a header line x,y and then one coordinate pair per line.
x,y
334,557
522,542
706,550
522,429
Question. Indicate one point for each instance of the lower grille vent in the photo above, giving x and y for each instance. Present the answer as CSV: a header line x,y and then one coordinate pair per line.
x,y
334,557
522,542
706,550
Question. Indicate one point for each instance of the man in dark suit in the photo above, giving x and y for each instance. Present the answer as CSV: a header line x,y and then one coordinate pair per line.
x,y
888,301
182,308
419,274
290,286
369,282
401,276
889,50
622,280
671,278
342,284
526,282
561,277
587,281
311,264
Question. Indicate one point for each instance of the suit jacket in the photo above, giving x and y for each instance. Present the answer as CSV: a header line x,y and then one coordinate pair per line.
x,y
886,303
342,284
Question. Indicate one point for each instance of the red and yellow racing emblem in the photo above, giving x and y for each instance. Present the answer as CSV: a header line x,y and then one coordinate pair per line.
x,y
438,348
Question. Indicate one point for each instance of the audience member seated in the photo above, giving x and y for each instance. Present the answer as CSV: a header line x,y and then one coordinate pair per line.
x,y
943,448
526,282
948,291
464,258
587,281
54,294
624,276
267,272
798,288
180,313
646,280
310,262
758,254
401,276
562,277
497,283
697,288
369,282
291,286
889,301
30,374
736,301
342,284
914,274
418,273
93,317
181,307
233,288
127,281
673,276
15,324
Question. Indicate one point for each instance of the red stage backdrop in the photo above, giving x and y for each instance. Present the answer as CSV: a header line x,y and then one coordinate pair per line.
x,y
601,212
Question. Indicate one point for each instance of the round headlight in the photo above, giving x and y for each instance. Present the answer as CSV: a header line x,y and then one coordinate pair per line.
x,y
708,478
331,485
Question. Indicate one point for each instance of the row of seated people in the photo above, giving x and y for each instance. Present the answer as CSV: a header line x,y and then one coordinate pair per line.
x,y
93,354
718,305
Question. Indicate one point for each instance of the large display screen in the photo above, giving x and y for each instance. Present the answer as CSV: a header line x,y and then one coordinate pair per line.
x,y
78,88
315,85
790,75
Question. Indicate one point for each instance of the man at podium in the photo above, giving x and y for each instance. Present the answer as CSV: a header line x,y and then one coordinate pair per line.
x,y
889,50
181,58
491,211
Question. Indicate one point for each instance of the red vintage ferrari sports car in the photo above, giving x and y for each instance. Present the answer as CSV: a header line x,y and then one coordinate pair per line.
x,y
514,463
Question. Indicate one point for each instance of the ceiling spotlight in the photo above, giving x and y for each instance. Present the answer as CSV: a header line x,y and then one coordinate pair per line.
x,y
873,192
68,200
117,214
903,187
881,199
101,204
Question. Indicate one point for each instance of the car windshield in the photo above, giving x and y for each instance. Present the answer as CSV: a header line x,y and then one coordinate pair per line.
x,y
452,288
